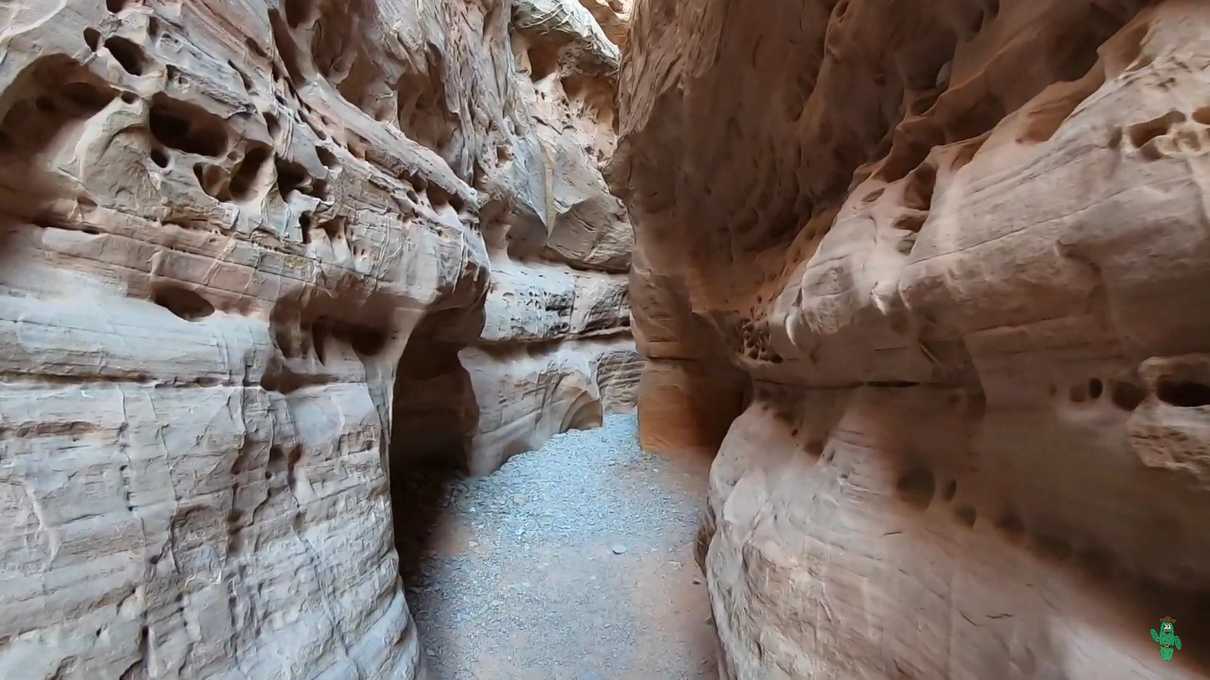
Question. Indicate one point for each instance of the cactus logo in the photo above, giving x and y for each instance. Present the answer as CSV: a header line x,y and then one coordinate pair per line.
x,y
1167,638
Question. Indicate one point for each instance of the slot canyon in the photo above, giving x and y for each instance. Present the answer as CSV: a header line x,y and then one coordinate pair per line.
x,y
604,339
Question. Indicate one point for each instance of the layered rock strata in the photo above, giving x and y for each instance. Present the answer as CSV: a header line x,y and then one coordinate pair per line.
x,y
955,252
550,347
224,225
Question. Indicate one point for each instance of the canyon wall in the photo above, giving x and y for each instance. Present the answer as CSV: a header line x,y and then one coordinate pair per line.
x,y
228,228
550,347
947,262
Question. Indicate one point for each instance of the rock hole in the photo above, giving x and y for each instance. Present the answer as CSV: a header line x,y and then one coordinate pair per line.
x,y
319,189
440,197
182,302
273,124
334,228
367,341
1141,133
130,97
951,490
297,11
918,194
326,157
977,23
244,178
1202,115
423,110
913,221
543,61
285,46
159,157
128,54
255,48
115,6
210,179
92,37
1126,396
304,223
967,515
292,177
278,463
1183,394
187,128
1095,388
243,78
319,333
916,488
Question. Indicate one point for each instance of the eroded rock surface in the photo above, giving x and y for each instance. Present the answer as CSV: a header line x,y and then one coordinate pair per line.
x,y
550,347
224,224
957,249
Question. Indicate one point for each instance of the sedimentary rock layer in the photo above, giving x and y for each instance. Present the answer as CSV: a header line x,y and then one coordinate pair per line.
x,y
222,225
958,249
550,346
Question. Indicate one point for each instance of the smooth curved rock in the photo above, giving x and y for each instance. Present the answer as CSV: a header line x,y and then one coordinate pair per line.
x,y
957,248
227,229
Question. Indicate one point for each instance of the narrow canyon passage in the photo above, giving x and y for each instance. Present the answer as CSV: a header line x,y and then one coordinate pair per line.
x,y
573,562
356,339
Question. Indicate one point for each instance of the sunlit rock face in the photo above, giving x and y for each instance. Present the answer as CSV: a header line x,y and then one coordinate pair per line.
x,y
956,252
228,228
549,348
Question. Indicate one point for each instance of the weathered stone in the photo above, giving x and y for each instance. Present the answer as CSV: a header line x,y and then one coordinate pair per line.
x,y
959,249
223,225
559,244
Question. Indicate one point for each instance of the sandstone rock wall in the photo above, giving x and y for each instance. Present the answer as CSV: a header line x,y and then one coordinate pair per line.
x,y
224,224
958,249
550,347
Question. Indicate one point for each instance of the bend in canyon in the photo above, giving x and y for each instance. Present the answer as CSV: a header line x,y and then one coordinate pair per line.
x,y
926,280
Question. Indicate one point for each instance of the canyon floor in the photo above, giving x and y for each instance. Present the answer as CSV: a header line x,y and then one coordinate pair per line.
x,y
571,562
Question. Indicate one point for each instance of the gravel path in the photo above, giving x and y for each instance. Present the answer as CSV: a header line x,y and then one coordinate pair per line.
x,y
574,562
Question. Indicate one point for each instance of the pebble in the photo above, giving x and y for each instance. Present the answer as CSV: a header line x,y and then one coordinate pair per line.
x,y
618,549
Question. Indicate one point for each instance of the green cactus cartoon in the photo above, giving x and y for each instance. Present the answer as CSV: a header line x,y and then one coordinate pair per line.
x,y
1167,638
